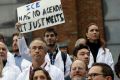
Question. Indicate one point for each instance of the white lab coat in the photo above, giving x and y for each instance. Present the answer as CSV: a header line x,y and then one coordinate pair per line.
x,y
55,73
23,48
10,72
59,62
102,57
10,58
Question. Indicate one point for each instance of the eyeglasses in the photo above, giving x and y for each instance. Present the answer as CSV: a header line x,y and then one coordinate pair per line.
x,y
92,75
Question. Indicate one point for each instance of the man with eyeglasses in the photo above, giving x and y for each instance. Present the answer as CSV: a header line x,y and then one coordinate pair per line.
x,y
38,50
54,55
100,71
78,71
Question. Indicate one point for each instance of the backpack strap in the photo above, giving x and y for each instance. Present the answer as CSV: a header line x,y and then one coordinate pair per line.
x,y
64,58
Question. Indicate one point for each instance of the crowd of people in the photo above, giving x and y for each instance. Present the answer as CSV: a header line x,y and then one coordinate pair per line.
x,y
44,60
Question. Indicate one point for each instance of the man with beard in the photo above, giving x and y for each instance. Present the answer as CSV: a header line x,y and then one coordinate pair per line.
x,y
38,50
20,60
54,55
78,71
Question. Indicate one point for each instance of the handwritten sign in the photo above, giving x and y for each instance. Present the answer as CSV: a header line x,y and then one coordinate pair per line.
x,y
40,14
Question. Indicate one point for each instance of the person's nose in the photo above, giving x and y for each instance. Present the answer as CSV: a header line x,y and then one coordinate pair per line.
x,y
77,69
94,31
1,50
37,50
86,56
49,37
89,78
38,78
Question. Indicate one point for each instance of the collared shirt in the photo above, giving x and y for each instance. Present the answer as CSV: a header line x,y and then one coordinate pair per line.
x,y
18,60
21,62
52,55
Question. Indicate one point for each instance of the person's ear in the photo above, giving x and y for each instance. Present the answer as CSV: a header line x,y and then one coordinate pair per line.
x,y
74,58
87,35
29,52
56,38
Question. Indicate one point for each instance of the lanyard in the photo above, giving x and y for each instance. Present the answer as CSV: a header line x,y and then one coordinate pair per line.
x,y
52,56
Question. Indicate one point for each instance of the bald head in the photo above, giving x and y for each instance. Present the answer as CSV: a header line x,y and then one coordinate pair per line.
x,y
79,62
78,70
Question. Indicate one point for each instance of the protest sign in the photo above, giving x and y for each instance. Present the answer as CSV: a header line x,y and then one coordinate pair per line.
x,y
40,14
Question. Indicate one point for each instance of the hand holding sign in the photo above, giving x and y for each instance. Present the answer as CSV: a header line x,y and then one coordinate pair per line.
x,y
40,15
17,26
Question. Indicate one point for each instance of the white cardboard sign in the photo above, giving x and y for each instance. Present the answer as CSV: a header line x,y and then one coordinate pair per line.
x,y
40,14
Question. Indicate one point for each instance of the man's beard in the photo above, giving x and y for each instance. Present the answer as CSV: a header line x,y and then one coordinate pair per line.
x,y
51,45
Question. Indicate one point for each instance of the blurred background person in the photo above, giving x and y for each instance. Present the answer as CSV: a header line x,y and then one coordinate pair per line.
x,y
80,41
